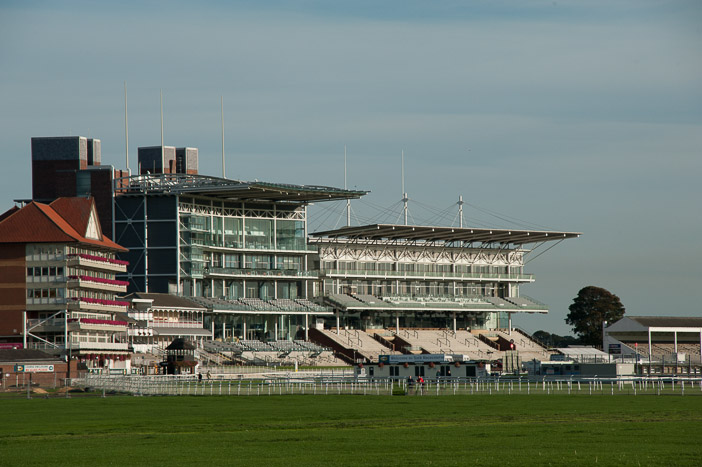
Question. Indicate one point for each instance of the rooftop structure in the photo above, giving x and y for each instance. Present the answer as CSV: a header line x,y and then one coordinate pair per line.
x,y
227,189
443,236
70,166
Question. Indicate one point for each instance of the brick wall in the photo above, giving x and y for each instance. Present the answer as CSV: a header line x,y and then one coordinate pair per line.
x,y
13,288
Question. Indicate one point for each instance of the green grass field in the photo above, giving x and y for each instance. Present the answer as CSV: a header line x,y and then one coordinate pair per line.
x,y
353,430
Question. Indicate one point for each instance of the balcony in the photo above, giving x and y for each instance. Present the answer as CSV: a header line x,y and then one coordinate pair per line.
x,y
99,346
90,324
83,303
250,245
97,262
97,283
46,304
428,276
45,325
273,273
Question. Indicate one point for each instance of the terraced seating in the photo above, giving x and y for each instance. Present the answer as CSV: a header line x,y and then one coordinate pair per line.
x,y
527,348
445,341
369,299
345,300
256,303
286,304
499,302
256,346
360,341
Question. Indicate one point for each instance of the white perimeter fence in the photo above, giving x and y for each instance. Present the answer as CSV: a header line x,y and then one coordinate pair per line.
x,y
295,383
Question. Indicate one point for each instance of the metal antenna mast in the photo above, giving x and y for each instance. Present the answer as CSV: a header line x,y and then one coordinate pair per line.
x,y
224,173
161,122
126,129
348,201
404,194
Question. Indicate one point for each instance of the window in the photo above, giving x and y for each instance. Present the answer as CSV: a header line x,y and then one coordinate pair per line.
x,y
232,232
258,234
30,272
290,235
289,262
232,261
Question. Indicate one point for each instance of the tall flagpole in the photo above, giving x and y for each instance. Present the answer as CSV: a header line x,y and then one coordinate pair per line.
x,y
126,129
224,173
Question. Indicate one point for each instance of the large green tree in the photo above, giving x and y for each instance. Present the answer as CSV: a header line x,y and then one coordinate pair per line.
x,y
590,309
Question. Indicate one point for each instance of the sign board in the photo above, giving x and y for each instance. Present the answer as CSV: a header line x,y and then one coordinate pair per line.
x,y
10,345
615,349
34,368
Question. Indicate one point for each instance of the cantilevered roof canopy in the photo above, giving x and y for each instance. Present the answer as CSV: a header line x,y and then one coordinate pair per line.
x,y
230,189
445,234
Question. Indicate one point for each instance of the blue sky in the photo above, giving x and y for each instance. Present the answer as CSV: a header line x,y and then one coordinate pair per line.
x,y
569,115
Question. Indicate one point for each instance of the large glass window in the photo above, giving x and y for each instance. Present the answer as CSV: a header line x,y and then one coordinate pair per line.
x,y
200,223
258,262
289,262
290,235
232,232
258,234
232,261
289,290
217,231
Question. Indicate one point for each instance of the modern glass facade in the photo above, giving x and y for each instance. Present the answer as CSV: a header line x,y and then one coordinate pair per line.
x,y
241,250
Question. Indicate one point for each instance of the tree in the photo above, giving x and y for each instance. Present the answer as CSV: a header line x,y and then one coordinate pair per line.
x,y
589,310
554,340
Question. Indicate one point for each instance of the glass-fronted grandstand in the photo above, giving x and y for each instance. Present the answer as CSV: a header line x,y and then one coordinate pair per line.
x,y
403,276
240,246
242,250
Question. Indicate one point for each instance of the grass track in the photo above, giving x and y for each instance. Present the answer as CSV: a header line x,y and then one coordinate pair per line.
x,y
353,430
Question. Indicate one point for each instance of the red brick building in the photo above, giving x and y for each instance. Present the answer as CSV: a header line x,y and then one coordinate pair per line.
x,y
57,279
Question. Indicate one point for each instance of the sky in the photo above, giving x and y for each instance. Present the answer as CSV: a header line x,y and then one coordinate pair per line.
x,y
581,116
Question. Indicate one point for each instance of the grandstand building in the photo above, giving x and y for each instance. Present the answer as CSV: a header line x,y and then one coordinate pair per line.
x,y
58,281
658,339
155,320
403,276
428,289
239,248
242,251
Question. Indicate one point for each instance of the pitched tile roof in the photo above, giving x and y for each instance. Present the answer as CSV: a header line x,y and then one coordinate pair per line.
x,y
76,211
41,223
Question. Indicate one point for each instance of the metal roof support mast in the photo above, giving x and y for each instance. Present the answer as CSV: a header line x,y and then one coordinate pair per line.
x,y
126,130
348,201
404,194
224,173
